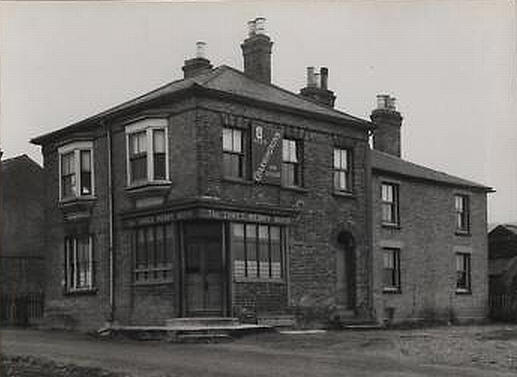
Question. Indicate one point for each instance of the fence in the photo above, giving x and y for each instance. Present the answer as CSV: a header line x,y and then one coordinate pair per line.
x,y
21,309
503,307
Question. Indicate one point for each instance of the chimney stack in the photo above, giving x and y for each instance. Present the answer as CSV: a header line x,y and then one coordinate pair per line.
x,y
317,87
199,64
256,50
386,137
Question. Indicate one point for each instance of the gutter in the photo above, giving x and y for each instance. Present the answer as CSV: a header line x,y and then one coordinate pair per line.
x,y
111,217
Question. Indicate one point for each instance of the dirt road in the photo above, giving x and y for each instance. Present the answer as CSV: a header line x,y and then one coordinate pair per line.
x,y
247,357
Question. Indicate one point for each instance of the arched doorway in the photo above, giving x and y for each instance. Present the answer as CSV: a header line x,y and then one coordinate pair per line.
x,y
346,270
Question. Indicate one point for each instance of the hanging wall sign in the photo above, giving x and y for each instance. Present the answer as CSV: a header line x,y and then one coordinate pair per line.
x,y
266,148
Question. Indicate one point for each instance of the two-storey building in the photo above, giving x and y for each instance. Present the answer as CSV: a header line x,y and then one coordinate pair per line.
x,y
219,194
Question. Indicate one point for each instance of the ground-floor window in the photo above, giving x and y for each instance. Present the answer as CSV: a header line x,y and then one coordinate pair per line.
x,y
78,263
152,248
463,280
391,270
257,251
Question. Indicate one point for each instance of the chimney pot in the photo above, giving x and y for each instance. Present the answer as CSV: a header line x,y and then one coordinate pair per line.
x,y
317,79
260,23
382,101
324,76
310,77
252,28
201,49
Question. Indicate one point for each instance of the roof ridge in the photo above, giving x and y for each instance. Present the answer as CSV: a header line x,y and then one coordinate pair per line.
x,y
296,95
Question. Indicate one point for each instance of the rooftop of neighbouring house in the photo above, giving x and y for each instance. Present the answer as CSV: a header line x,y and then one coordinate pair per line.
x,y
384,162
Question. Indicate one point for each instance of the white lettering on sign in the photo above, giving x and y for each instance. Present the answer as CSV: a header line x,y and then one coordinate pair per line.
x,y
258,133
259,174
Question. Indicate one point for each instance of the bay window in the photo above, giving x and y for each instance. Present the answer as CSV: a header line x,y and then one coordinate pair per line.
x,y
76,170
147,151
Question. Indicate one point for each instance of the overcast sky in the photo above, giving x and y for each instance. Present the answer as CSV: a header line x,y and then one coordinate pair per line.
x,y
451,64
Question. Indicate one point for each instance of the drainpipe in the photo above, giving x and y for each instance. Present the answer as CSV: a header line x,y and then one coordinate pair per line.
x,y
370,226
111,217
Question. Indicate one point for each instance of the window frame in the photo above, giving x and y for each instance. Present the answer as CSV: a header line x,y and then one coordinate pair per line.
x,y
148,126
297,165
347,170
76,148
152,266
72,274
466,261
396,280
394,204
241,156
257,259
464,212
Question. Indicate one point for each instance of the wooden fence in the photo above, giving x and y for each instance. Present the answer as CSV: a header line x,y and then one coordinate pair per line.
x,y
503,307
21,309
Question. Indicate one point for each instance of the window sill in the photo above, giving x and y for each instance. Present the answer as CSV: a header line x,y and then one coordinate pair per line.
x,y
152,283
391,225
241,181
81,292
460,291
388,290
344,194
258,280
462,233
77,199
296,189
148,184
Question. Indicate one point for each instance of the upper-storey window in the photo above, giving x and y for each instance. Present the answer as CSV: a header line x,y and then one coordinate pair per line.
x,y
76,170
342,170
461,203
390,203
291,163
233,153
147,151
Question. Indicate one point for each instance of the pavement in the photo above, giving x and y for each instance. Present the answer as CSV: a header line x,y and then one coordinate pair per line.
x,y
267,355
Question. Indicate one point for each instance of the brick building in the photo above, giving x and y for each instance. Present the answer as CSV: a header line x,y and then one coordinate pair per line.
x,y
221,194
21,237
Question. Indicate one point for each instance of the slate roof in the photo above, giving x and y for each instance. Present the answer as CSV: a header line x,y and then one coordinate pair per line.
x,y
231,81
391,164
18,161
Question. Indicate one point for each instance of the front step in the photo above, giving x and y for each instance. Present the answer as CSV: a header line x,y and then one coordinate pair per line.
x,y
201,322
348,320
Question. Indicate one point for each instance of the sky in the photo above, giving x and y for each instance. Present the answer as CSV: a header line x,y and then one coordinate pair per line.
x,y
452,65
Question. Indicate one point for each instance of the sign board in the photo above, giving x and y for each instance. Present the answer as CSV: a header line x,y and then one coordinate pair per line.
x,y
266,152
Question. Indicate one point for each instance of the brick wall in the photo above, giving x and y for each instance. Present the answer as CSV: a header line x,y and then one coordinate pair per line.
x,y
428,243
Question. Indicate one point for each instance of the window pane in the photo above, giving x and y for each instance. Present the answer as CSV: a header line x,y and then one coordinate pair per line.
x,y
227,139
276,258
138,143
237,141
293,151
68,163
288,174
337,159
251,249
159,141
86,161
139,168
344,159
159,166
263,250
387,215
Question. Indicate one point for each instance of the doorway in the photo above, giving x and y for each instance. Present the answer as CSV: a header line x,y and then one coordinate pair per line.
x,y
204,283
346,270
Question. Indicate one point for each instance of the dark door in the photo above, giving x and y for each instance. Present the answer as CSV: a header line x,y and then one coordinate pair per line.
x,y
203,277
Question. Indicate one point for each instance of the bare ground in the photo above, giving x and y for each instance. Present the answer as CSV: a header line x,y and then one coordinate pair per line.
x,y
443,351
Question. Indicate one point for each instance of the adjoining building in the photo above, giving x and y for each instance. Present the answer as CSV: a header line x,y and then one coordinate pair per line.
x,y
21,240
221,194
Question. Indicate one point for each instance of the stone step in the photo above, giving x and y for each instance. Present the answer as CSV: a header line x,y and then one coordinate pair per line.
x,y
200,322
202,338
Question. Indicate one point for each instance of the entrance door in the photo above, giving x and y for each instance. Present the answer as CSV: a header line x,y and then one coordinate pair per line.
x,y
204,276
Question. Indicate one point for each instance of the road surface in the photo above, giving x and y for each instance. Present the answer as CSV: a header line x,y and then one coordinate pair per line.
x,y
242,358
